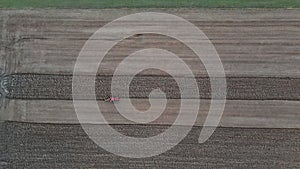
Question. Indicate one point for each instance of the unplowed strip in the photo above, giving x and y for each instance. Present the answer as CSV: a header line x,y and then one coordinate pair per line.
x,y
237,113
251,43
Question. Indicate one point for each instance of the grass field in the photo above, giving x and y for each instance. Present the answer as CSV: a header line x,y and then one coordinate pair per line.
x,y
21,4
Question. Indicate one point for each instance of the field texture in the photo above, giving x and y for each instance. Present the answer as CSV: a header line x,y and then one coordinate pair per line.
x,y
95,4
259,49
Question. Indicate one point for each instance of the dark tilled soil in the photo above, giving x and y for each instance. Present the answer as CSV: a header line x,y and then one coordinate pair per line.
x,y
35,86
26,145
